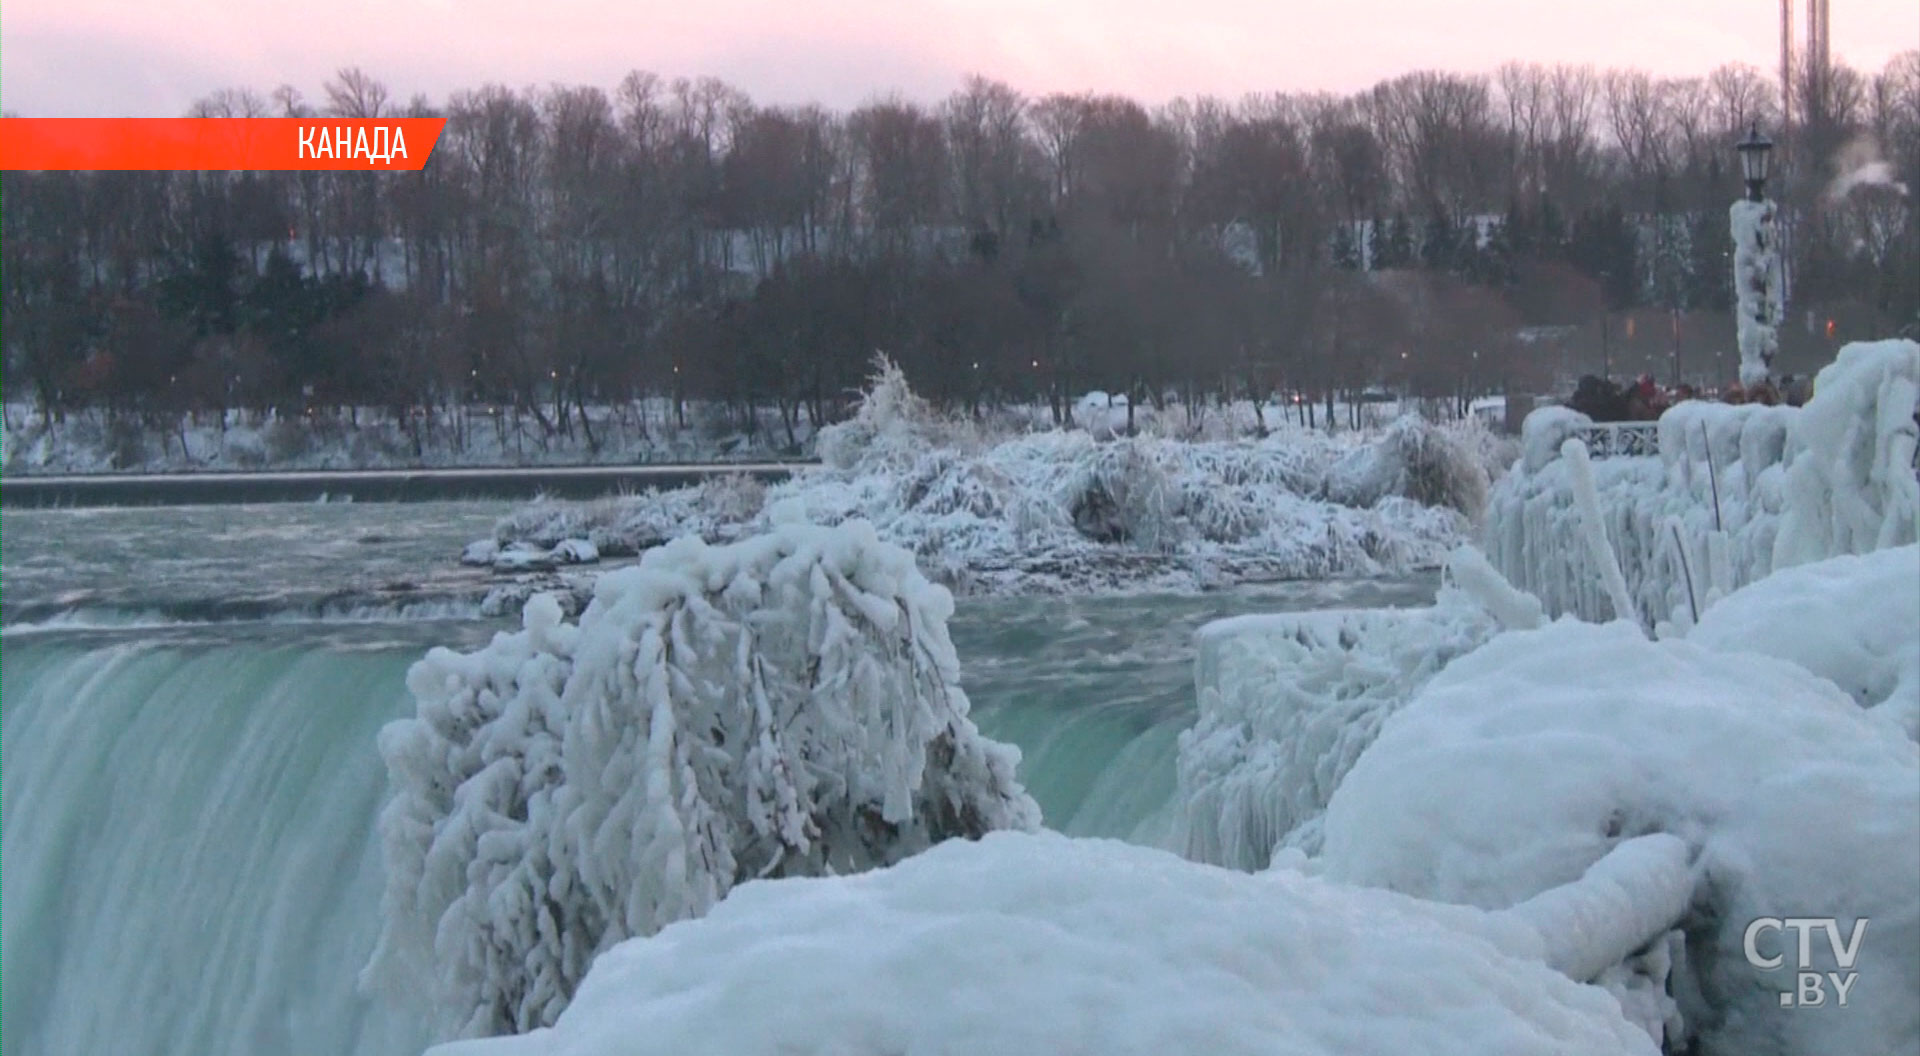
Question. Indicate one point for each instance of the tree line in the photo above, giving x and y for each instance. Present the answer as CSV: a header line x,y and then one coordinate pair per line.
x,y
569,246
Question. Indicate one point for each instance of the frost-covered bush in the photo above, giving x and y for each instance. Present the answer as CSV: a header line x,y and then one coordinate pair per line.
x,y
1416,460
892,426
1039,945
785,706
1123,494
1528,760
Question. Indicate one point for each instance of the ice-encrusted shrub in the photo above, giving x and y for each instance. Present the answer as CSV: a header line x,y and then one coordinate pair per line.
x,y
785,706
1416,460
892,425
1124,494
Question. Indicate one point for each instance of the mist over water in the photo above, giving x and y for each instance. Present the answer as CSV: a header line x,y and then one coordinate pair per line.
x,y
189,807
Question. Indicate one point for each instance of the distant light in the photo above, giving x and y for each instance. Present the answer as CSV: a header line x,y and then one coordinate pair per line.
x,y
1829,328
1036,364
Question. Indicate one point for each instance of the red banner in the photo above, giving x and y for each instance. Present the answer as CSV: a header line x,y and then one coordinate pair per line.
x,y
218,144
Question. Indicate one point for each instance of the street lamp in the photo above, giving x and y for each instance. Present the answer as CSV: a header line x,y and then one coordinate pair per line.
x,y
1755,152
1758,289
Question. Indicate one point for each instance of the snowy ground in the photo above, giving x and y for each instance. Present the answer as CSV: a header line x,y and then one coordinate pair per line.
x,y
642,432
647,431
999,508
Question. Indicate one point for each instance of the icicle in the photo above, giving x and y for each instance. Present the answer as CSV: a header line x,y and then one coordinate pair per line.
x,y
1594,530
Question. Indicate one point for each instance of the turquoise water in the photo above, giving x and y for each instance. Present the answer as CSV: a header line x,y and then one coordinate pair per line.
x,y
191,786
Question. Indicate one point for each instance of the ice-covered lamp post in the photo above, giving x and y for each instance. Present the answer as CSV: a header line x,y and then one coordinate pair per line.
x,y
1759,302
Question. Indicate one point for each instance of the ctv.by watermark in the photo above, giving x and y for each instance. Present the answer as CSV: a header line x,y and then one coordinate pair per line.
x,y
1810,985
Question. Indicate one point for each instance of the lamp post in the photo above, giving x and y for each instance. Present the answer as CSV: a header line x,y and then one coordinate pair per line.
x,y
1758,301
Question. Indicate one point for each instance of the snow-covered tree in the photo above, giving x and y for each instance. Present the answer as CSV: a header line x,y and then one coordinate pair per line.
x,y
784,706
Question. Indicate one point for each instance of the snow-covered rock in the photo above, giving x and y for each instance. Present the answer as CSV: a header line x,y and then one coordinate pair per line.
x,y
520,557
480,552
1526,761
576,552
785,706
1037,945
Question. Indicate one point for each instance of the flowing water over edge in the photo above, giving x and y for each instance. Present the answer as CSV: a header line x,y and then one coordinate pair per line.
x,y
189,809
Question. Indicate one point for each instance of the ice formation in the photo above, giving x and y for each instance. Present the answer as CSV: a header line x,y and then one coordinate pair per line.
x,y
1035,945
1736,492
1757,288
994,510
1851,484
784,706
1527,761
1289,701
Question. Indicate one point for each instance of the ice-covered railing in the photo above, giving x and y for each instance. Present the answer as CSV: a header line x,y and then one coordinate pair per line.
x,y
785,706
1620,439
1735,492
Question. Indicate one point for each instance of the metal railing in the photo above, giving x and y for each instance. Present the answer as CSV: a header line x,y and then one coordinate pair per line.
x,y
1620,439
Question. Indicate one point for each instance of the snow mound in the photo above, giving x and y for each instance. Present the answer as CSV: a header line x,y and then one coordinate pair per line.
x,y
784,706
1524,762
1038,944
1853,620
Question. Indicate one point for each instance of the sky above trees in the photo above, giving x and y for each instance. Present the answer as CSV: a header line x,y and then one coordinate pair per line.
x,y
96,58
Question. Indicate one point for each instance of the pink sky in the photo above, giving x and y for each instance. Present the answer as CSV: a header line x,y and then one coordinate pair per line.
x,y
87,58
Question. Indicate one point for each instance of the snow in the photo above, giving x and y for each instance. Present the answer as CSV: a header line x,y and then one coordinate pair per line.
x,y
784,706
640,432
990,511
1544,430
1289,701
1757,288
1038,944
1853,620
1526,761
1736,492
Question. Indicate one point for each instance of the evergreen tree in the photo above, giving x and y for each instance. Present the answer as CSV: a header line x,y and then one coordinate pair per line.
x,y
1440,243
1602,245
1397,251
1710,261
